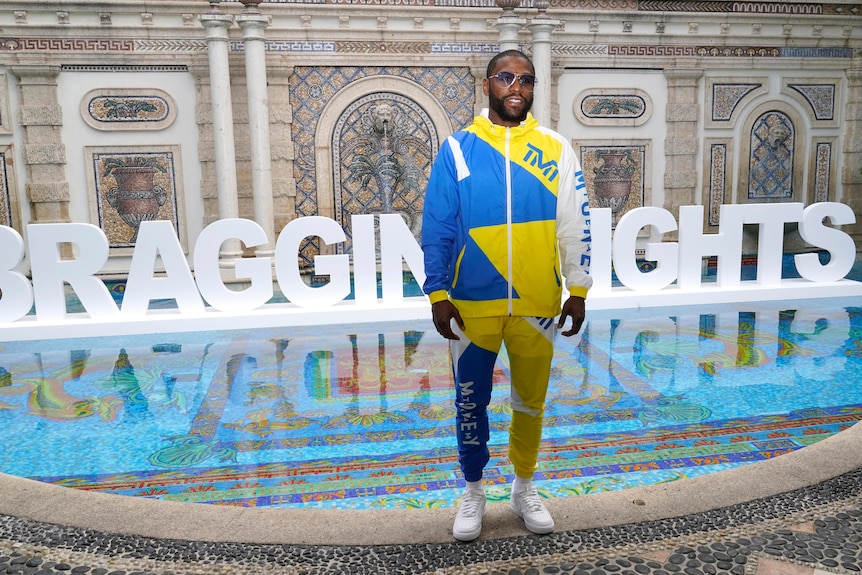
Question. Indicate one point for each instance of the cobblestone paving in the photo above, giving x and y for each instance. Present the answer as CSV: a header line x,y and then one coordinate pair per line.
x,y
817,527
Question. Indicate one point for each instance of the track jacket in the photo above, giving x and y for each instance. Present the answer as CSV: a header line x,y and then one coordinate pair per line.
x,y
500,202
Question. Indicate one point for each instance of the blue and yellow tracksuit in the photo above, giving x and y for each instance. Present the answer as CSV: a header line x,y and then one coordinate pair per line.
x,y
504,208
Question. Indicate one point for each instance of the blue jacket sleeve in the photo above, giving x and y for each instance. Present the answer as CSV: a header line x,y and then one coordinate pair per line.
x,y
439,223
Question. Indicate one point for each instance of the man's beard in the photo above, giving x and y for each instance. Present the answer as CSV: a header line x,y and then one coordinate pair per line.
x,y
499,106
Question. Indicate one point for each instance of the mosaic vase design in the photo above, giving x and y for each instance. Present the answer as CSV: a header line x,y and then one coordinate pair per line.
x,y
613,181
136,197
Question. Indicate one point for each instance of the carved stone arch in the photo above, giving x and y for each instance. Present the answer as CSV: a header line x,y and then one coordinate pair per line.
x,y
408,94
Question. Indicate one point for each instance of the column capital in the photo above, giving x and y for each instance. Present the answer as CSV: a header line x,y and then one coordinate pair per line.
x,y
509,28
253,19
542,28
682,78
36,73
691,74
854,75
216,22
253,25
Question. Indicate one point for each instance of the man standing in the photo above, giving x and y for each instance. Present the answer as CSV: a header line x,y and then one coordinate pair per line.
x,y
505,205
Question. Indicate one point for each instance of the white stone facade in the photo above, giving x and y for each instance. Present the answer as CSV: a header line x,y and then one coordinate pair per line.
x,y
668,102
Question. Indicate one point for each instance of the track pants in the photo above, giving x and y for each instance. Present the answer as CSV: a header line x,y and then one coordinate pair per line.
x,y
530,345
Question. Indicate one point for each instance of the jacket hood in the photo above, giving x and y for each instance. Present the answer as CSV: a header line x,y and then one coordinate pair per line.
x,y
493,130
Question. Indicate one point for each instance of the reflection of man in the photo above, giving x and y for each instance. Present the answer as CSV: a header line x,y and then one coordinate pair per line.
x,y
505,203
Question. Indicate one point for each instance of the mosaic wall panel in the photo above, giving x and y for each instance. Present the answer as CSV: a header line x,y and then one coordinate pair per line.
x,y
383,146
311,88
770,172
613,107
133,185
128,109
6,190
817,98
821,98
718,176
822,171
615,176
726,97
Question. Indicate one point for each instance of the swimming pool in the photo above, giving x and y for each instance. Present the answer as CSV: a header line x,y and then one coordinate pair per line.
x,y
360,416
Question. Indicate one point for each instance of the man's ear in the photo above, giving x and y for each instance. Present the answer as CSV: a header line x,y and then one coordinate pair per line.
x,y
486,87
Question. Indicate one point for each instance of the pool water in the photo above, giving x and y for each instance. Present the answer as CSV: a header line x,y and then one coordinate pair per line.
x,y
361,416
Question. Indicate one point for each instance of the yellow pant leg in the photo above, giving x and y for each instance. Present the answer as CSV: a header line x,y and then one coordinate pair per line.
x,y
530,346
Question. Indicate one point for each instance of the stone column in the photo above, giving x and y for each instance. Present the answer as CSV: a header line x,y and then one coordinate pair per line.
x,y
44,153
253,24
681,145
851,179
542,27
283,151
216,24
509,25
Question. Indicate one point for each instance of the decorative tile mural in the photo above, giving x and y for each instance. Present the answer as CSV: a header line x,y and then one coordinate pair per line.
x,y
128,109
717,179
5,189
770,173
613,107
615,176
821,98
134,185
725,98
822,170
383,146
311,89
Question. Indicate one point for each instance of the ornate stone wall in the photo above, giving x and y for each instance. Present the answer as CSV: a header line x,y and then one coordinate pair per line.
x,y
743,102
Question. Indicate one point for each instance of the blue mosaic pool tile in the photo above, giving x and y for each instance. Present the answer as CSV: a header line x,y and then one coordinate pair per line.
x,y
323,417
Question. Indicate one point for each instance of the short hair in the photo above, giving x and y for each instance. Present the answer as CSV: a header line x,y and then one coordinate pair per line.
x,y
505,54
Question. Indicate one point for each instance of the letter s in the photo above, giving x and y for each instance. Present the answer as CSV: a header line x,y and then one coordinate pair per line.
x,y
841,248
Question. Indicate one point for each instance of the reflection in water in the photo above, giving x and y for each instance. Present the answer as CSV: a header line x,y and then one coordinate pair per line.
x,y
124,382
363,417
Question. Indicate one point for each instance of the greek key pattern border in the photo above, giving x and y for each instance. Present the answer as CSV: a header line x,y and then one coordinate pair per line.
x,y
729,6
373,47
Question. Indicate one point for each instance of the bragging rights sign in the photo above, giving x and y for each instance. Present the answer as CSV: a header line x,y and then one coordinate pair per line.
x,y
676,278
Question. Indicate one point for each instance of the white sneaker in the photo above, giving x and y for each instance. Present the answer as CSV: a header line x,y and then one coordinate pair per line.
x,y
528,505
468,521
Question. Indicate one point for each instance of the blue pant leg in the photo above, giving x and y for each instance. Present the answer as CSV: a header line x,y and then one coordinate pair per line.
x,y
473,369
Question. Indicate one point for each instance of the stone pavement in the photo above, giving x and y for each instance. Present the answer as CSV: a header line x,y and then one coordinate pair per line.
x,y
797,514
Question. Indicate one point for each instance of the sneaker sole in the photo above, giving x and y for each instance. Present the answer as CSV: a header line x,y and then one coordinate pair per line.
x,y
537,529
467,536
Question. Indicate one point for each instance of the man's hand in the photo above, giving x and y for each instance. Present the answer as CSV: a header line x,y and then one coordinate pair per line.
x,y
443,312
574,307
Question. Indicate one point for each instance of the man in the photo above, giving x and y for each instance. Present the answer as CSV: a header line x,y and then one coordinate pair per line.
x,y
505,203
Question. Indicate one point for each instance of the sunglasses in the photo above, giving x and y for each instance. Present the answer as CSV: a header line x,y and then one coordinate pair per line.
x,y
507,79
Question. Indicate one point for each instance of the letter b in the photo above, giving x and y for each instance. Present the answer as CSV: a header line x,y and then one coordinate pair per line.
x,y
17,298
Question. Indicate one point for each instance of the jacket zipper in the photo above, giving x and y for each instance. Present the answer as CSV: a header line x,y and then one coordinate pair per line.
x,y
509,222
